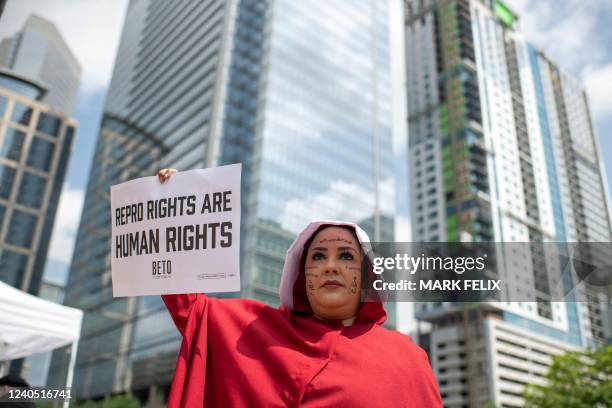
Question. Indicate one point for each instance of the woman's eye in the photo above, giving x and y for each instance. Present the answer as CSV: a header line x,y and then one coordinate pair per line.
x,y
317,256
347,256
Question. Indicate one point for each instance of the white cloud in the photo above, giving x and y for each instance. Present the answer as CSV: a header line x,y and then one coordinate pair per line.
x,y
598,84
403,229
406,322
518,6
565,31
66,224
91,29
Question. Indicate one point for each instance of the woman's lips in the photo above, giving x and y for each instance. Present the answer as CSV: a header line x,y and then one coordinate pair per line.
x,y
332,283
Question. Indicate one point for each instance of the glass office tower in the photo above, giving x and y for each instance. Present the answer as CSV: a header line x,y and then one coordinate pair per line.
x,y
38,51
502,149
35,145
298,92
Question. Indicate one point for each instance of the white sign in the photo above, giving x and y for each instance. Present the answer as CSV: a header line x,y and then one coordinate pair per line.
x,y
182,236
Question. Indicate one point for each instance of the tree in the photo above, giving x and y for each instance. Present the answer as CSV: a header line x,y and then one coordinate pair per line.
x,y
575,380
117,401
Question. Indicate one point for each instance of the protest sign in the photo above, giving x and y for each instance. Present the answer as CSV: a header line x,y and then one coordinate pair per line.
x,y
182,236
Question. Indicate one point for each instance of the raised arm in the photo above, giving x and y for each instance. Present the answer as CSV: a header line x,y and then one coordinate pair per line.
x,y
181,306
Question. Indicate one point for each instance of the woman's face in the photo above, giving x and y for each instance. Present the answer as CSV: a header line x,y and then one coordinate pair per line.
x,y
333,274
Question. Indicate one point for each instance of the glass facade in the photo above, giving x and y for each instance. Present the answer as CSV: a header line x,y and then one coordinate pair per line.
x,y
12,144
23,88
48,124
211,83
32,190
32,170
41,154
2,212
7,176
12,266
38,52
325,153
21,114
3,103
21,229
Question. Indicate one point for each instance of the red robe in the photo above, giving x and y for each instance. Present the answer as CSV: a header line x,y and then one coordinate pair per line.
x,y
243,353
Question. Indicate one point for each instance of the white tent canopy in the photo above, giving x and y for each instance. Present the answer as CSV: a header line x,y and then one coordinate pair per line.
x,y
30,325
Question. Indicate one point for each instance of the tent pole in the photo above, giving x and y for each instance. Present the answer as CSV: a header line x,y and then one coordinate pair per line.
x,y
70,373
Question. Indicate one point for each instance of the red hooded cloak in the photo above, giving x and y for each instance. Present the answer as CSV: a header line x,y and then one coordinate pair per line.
x,y
243,353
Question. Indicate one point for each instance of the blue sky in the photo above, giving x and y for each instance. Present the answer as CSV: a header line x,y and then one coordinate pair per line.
x,y
576,34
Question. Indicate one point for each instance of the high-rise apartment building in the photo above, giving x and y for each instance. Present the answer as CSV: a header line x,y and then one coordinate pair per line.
x,y
298,92
502,149
35,145
38,51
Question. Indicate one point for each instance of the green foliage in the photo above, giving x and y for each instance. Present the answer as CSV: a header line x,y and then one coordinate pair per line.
x,y
117,401
575,380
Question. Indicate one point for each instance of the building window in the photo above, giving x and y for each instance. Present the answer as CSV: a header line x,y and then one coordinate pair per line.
x,y
32,190
12,267
21,114
68,136
7,178
12,145
41,154
2,212
49,124
3,103
21,229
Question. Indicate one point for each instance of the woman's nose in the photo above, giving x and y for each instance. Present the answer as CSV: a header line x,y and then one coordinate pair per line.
x,y
331,266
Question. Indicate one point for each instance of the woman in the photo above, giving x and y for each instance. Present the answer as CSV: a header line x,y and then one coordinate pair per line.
x,y
324,346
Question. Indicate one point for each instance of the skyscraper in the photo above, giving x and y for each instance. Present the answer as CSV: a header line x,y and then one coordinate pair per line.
x,y
35,144
298,92
38,51
502,149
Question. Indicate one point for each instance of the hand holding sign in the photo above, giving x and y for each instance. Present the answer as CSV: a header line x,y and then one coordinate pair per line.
x,y
165,174
181,237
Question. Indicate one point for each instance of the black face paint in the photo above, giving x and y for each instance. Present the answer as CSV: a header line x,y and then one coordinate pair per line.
x,y
336,240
